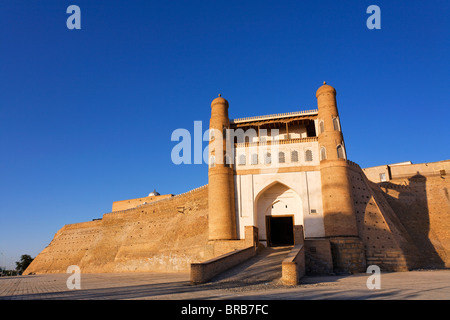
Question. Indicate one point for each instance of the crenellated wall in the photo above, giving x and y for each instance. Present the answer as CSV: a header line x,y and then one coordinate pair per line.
x,y
133,203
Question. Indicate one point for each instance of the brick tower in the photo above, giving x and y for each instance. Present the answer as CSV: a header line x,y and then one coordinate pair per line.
x,y
222,218
338,209
339,217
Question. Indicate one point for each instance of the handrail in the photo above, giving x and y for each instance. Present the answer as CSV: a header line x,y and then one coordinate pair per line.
x,y
278,115
281,141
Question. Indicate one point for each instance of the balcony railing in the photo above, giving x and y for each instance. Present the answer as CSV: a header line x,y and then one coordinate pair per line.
x,y
270,142
278,115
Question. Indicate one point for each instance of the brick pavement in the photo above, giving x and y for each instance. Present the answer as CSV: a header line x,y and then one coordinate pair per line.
x,y
117,286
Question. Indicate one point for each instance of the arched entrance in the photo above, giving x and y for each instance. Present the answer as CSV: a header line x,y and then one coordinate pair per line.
x,y
278,210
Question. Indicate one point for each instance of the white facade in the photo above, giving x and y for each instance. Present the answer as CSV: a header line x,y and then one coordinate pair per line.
x,y
270,194
277,155
276,174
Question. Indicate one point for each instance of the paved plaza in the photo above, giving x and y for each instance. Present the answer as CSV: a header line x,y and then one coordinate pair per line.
x,y
157,286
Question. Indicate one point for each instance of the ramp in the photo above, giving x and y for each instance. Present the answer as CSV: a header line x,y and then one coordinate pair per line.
x,y
264,268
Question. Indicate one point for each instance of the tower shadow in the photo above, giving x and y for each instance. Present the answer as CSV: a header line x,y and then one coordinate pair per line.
x,y
411,207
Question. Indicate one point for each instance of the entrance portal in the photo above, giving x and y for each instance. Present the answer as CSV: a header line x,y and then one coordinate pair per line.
x,y
278,209
280,230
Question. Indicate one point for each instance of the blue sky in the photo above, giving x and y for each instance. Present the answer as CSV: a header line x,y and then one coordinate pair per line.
x,y
86,116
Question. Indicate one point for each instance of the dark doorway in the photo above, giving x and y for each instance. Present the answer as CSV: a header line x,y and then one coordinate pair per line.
x,y
280,231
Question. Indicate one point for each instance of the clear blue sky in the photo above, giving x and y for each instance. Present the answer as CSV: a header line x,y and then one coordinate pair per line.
x,y
86,116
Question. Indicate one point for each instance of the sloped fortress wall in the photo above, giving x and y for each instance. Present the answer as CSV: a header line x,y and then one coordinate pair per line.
x,y
387,243
421,201
381,239
404,223
166,235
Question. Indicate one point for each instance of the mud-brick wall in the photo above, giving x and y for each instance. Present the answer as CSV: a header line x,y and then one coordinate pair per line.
x,y
348,255
166,235
132,203
422,203
318,256
386,242
68,247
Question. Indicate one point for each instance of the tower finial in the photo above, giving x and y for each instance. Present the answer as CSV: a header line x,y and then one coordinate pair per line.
x,y
324,82
220,95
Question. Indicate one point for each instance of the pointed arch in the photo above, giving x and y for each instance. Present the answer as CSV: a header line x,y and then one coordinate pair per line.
x,y
336,125
242,159
212,161
308,155
254,159
281,157
340,152
321,126
281,201
323,153
270,185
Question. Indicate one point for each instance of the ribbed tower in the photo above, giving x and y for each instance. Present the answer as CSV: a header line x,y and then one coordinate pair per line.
x,y
222,217
339,216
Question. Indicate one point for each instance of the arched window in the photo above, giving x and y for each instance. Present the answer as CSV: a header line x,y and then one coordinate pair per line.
x,y
268,158
281,157
321,126
335,124
308,155
212,161
254,158
294,156
323,154
340,152
242,159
